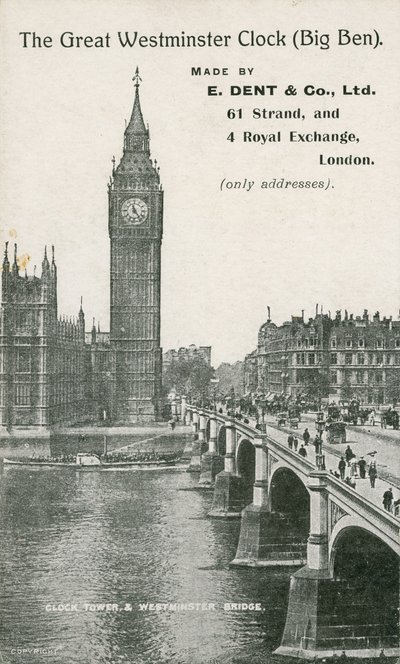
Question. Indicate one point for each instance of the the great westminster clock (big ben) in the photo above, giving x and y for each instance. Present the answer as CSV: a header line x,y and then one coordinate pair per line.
x,y
135,229
134,211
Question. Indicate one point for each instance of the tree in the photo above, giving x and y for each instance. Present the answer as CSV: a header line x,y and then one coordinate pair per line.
x,y
346,390
188,376
393,386
316,384
230,376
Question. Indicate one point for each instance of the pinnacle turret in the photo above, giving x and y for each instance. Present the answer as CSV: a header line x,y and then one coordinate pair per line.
x,y
53,263
45,262
6,262
15,268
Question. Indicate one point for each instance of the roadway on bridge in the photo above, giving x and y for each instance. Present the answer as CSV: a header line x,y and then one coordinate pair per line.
x,y
361,442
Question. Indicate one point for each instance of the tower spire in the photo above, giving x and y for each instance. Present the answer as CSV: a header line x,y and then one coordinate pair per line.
x,y
6,262
15,269
45,261
136,134
5,274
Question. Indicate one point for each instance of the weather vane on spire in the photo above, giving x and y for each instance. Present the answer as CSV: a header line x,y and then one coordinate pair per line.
x,y
136,79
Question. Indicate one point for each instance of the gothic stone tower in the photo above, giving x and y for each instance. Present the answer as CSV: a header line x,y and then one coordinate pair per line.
x,y
135,229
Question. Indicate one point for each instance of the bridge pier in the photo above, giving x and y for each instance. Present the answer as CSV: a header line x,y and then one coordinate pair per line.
x,y
228,490
194,465
262,539
329,614
211,462
310,585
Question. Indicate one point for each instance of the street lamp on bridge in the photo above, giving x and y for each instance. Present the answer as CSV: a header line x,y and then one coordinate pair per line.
x,y
319,457
214,382
263,403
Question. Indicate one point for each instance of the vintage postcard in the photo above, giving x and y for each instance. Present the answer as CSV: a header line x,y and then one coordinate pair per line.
x,y
199,331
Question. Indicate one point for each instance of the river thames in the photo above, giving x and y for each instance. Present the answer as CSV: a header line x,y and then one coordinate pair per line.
x,y
74,539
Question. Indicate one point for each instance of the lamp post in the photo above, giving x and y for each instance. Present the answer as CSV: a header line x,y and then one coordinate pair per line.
x,y
319,457
214,382
232,399
263,426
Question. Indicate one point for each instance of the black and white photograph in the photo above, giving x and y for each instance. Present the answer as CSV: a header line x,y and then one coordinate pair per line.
x,y
199,331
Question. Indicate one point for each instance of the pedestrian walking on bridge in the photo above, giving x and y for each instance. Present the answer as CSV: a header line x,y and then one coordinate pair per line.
x,y
373,473
303,451
342,467
362,465
348,454
388,499
290,441
306,436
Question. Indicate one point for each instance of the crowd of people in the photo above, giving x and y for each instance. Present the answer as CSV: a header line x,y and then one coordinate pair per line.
x,y
140,456
350,467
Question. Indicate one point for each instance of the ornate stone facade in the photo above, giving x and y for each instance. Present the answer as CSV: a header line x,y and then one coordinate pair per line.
x,y
357,355
42,356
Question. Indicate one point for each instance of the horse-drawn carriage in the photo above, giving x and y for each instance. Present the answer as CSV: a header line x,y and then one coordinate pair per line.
x,y
294,415
281,419
390,418
290,418
335,432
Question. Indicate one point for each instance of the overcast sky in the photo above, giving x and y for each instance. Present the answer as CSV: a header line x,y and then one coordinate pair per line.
x,y
226,255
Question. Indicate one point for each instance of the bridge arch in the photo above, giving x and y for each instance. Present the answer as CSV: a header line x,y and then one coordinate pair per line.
x,y
288,495
246,467
354,523
365,570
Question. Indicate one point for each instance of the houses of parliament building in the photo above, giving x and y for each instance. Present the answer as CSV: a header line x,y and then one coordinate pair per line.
x,y
53,372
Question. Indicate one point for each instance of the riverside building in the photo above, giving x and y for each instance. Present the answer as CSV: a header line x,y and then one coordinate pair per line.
x,y
347,354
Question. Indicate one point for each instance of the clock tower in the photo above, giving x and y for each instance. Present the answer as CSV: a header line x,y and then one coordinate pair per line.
x,y
135,229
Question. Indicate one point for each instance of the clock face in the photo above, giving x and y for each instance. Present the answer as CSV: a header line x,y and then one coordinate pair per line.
x,y
134,211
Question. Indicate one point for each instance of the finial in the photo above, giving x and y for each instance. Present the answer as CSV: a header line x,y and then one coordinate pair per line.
x,y
45,252
52,253
6,250
136,79
15,252
113,162
98,327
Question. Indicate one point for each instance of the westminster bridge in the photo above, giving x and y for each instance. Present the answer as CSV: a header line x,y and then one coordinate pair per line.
x,y
345,594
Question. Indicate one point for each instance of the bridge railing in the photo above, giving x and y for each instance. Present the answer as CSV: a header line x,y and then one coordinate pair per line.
x,y
251,432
